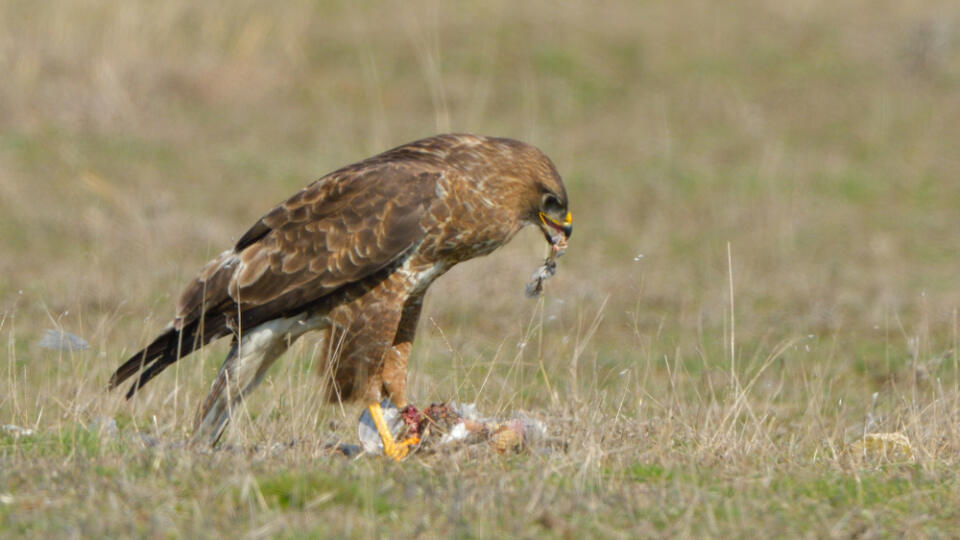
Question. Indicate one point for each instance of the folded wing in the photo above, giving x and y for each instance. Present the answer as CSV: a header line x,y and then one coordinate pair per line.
x,y
336,231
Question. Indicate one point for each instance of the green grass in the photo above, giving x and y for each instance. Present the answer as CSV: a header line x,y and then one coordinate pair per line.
x,y
816,141
300,490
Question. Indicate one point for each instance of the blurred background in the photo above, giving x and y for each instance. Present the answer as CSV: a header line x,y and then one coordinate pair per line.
x,y
764,268
819,140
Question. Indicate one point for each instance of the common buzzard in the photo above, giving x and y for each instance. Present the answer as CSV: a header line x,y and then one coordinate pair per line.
x,y
351,255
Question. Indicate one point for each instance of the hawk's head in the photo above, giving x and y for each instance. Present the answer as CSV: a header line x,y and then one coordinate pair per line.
x,y
545,198
554,219
522,178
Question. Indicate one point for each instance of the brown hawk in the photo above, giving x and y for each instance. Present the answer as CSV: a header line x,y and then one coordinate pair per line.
x,y
352,255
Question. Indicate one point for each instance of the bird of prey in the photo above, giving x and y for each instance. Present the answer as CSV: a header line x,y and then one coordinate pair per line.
x,y
352,255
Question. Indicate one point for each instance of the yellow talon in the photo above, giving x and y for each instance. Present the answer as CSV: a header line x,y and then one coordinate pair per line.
x,y
391,448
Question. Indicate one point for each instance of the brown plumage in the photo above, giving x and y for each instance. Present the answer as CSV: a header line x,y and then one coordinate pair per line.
x,y
352,255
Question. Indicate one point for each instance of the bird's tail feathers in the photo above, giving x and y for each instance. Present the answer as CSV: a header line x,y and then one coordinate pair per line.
x,y
174,343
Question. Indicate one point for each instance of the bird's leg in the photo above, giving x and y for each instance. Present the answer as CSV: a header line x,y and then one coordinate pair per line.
x,y
394,374
394,380
213,415
391,448
389,378
241,372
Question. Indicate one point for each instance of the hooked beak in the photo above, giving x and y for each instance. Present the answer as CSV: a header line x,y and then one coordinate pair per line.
x,y
552,226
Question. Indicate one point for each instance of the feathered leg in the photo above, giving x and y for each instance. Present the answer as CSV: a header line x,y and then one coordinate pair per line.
x,y
241,372
393,378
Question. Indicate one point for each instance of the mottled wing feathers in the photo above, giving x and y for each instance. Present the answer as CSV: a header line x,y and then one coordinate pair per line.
x,y
208,291
338,230
333,233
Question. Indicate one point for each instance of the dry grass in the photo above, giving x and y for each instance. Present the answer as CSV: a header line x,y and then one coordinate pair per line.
x,y
817,140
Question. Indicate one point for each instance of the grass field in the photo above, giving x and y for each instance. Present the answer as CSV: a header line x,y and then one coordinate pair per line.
x,y
764,268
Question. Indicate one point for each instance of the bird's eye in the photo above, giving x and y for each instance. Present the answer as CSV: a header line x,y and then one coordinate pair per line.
x,y
551,205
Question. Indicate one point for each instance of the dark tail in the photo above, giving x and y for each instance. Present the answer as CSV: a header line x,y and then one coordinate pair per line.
x,y
169,347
